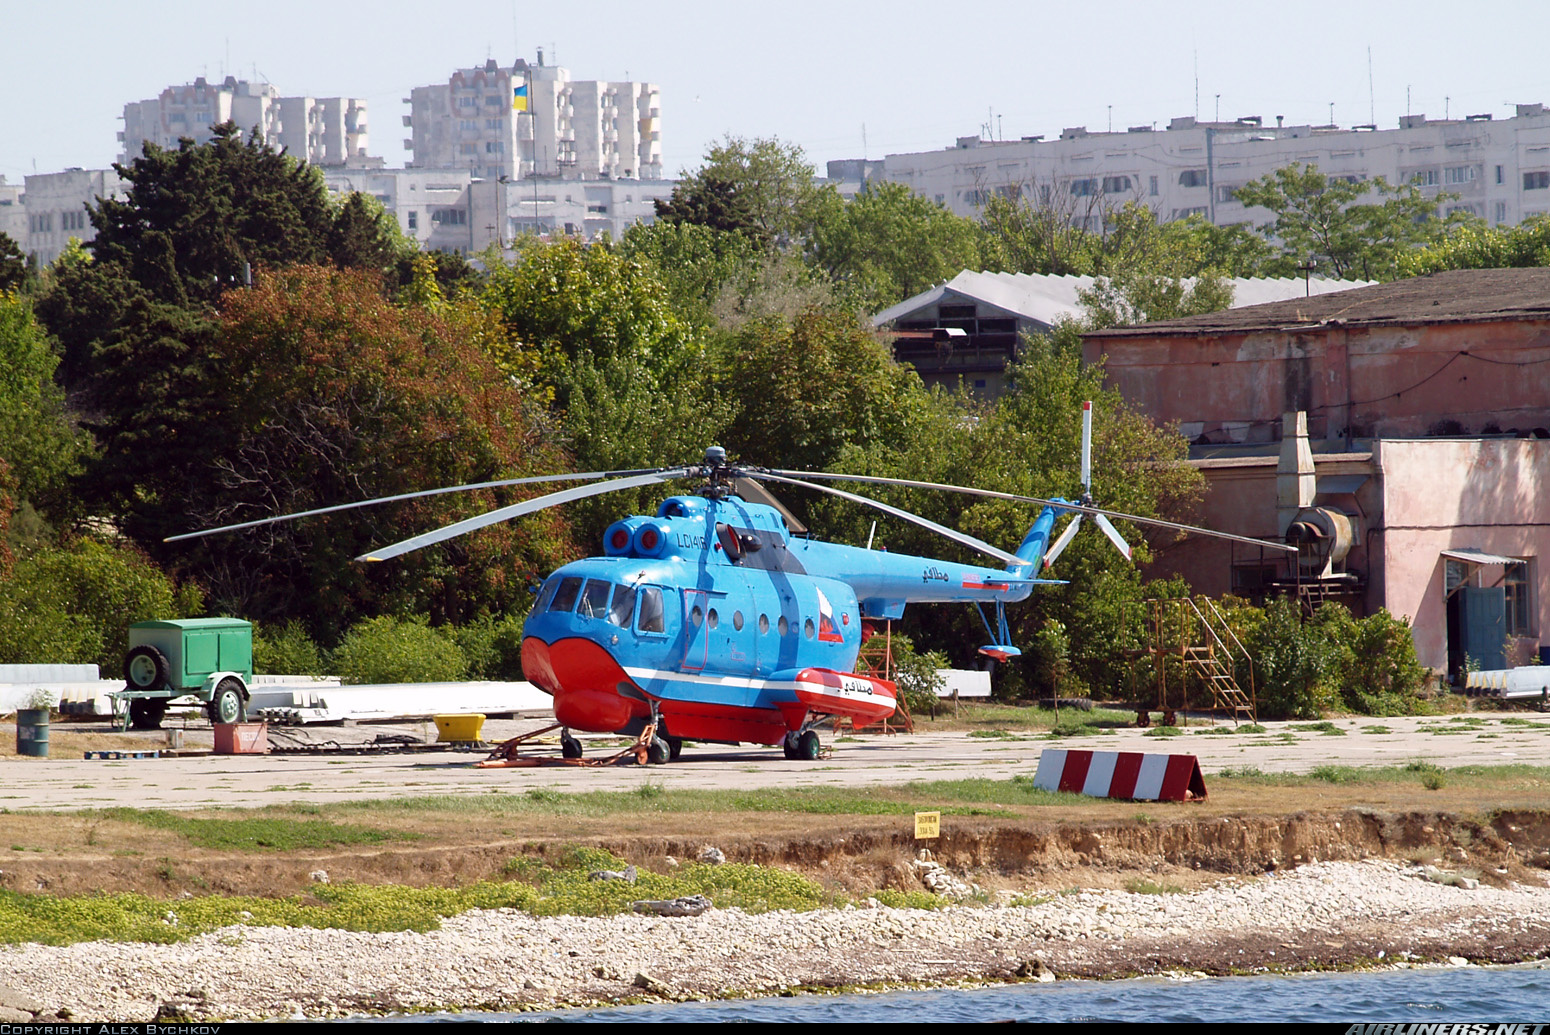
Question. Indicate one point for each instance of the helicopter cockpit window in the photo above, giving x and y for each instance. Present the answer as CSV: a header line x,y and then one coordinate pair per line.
x,y
624,607
545,595
565,596
649,615
594,600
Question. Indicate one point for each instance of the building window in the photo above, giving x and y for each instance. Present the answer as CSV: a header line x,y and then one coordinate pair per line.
x,y
1499,173
1116,184
1192,178
1520,613
1425,178
450,217
1152,185
1083,188
1501,212
1225,193
1536,181
414,221
1459,174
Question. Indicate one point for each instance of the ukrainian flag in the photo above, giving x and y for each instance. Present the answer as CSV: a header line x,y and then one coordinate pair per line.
x,y
519,98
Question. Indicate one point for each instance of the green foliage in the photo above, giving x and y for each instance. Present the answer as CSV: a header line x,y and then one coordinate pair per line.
x,y
917,674
492,645
1334,660
761,187
38,441
327,393
387,649
692,261
1483,247
286,650
74,604
263,831
1324,218
888,243
13,265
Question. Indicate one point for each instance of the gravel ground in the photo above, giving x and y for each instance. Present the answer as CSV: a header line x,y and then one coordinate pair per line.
x,y
1323,914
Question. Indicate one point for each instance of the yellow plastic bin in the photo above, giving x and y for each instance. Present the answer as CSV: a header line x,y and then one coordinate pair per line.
x,y
459,729
241,738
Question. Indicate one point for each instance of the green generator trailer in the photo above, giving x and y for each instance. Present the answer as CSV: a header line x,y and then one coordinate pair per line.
x,y
209,659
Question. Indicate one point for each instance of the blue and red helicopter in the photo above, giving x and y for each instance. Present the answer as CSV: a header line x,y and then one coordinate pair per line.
x,y
718,619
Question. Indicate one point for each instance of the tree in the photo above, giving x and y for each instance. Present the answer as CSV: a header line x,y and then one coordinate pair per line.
x,y
1481,247
1319,217
364,235
1021,236
692,261
39,443
888,243
13,265
762,187
325,392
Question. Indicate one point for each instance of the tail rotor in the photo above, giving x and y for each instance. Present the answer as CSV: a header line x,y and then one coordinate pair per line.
x,y
1104,524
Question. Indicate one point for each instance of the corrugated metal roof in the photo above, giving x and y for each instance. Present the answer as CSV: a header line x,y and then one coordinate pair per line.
x,y
1044,299
1470,555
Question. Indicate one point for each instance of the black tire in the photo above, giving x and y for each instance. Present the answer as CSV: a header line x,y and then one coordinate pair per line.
x,y
675,747
146,668
227,704
808,746
146,713
570,747
657,752
789,745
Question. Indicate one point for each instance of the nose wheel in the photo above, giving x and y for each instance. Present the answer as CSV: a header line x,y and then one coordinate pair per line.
x,y
570,747
802,746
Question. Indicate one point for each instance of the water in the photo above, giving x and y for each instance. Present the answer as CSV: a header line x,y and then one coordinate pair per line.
x,y
1516,994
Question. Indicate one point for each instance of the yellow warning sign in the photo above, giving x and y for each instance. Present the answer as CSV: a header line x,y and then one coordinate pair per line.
x,y
928,824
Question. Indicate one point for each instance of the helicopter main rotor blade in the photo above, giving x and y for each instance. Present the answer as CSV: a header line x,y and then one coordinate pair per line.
x,y
955,536
554,499
407,496
1075,508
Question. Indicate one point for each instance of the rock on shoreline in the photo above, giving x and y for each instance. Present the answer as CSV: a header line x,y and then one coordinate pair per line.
x,y
1322,915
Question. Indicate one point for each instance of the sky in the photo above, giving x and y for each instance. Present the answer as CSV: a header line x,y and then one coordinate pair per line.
x,y
839,79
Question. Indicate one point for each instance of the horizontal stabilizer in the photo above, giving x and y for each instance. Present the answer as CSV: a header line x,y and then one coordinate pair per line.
x,y
1001,651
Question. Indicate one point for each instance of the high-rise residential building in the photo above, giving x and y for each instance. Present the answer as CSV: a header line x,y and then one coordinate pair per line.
x,y
56,205
534,120
1499,168
327,131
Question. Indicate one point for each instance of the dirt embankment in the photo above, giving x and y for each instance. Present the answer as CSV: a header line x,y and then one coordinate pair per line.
x,y
856,858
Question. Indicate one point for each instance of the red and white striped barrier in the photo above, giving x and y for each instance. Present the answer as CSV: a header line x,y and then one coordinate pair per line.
x,y
1121,774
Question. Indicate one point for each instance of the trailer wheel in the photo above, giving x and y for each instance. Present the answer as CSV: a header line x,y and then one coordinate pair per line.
x,y
146,668
146,713
227,705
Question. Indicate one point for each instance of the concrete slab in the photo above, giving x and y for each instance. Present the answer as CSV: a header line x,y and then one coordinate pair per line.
x,y
865,759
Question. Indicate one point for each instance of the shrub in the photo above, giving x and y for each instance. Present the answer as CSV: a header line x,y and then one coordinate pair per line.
x,y
387,649
492,646
1297,664
287,650
73,604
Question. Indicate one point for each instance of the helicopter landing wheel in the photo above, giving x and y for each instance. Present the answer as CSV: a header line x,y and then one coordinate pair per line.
x,y
788,745
1170,717
570,747
1143,719
675,747
658,752
807,746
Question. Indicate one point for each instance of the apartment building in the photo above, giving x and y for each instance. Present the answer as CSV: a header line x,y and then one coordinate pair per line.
x,y
13,213
1499,168
55,206
534,120
325,131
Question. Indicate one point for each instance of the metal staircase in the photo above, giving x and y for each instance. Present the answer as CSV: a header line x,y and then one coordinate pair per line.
x,y
1194,630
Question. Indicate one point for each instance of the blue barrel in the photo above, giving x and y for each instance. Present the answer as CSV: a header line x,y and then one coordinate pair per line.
x,y
32,732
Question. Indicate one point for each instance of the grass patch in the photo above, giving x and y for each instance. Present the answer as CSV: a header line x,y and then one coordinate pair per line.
x,y
265,830
1141,886
1164,731
540,889
1376,729
1325,728
1251,727
1337,773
